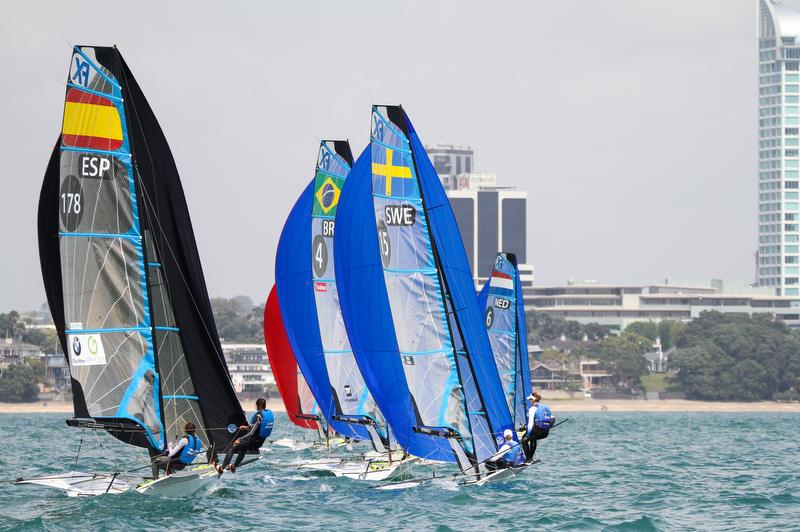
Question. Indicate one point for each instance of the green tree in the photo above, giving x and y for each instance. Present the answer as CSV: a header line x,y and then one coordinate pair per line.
x,y
18,383
237,323
730,357
622,357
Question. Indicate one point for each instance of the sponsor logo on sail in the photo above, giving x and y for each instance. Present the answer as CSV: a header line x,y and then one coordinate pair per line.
x,y
87,350
320,287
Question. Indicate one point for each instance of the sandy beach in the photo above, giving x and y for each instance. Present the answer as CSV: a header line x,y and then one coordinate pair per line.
x,y
566,405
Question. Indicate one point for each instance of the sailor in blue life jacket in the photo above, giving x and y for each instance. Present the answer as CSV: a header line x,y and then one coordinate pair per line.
x,y
540,420
506,455
178,456
258,431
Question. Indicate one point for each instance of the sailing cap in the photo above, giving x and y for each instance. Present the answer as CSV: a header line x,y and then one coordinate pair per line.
x,y
508,433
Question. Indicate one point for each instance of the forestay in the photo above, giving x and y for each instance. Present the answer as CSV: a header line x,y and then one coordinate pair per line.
x,y
121,269
504,316
409,302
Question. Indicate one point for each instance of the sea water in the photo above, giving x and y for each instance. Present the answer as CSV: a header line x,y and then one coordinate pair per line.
x,y
599,471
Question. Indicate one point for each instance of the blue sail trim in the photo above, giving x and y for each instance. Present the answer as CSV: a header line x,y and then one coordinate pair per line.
x,y
189,397
400,198
127,236
107,330
94,150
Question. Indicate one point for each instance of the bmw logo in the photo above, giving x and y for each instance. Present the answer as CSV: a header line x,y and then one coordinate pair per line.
x,y
76,346
232,428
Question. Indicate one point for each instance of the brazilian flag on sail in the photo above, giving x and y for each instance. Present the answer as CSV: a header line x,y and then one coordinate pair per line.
x,y
327,189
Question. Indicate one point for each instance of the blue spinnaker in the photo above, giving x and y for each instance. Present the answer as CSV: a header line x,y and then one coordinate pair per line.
x,y
504,317
309,301
409,302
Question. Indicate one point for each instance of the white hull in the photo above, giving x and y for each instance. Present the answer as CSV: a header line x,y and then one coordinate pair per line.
x,y
180,483
321,464
79,484
501,475
294,445
376,469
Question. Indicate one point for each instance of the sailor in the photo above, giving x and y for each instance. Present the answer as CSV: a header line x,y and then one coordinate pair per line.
x,y
540,420
180,455
258,431
506,455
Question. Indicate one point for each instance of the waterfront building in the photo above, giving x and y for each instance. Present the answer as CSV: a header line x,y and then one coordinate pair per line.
x,y
778,256
617,306
249,370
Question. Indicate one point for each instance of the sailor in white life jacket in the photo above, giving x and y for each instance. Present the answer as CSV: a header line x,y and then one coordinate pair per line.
x,y
506,455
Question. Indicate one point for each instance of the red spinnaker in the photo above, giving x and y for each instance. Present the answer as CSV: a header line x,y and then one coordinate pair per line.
x,y
282,361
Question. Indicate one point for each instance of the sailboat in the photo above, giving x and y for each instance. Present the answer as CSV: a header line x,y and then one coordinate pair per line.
x,y
410,307
301,408
309,304
504,317
125,285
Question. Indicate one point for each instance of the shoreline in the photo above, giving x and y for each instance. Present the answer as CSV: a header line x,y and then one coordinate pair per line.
x,y
558,405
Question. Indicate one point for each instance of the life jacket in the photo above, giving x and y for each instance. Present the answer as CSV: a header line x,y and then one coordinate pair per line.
x,y
267,422
190,450
543,418
511,455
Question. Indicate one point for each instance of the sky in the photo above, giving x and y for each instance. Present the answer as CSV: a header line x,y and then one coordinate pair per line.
x,y
632,124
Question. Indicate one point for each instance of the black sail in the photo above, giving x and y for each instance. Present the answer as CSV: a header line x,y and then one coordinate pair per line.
x,y
147,311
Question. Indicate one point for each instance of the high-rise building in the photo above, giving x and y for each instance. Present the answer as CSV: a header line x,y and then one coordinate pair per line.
x,y
778,256
450,161
491,218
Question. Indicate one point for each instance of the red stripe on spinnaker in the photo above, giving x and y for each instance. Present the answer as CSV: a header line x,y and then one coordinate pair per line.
x,y
282,360
79,96
95,143
502,275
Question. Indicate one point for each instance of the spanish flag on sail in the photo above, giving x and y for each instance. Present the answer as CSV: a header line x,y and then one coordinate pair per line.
x,y
91,121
